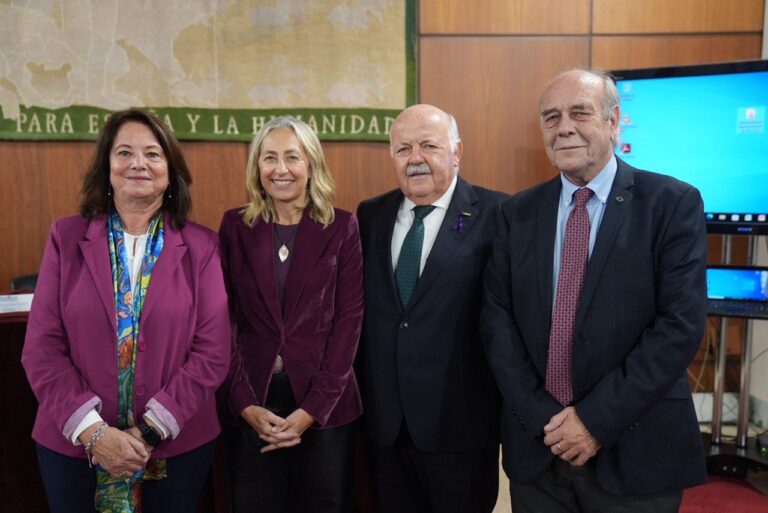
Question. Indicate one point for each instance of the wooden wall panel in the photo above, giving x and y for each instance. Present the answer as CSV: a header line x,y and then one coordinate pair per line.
x,y
218,179
676,16
361,171
490,83
42,181
504,17
492,87
625,52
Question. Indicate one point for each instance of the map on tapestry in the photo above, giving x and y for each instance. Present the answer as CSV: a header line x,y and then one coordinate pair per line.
x,y
212,69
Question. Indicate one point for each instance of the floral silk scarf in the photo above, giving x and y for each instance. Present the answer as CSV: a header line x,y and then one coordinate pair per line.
x,y
117,494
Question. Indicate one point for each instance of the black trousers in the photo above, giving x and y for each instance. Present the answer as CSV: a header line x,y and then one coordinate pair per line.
x,y
70,484
564,488
314,476
409,480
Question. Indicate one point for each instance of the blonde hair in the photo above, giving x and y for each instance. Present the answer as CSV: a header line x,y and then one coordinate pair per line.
x,y
322,189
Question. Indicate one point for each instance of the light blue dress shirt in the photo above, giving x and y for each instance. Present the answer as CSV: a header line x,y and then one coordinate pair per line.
x,y
601,187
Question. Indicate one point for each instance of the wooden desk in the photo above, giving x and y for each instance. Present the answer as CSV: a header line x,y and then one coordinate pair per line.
x,y
21,488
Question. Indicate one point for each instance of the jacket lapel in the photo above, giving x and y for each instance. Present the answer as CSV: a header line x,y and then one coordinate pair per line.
x,y
449,236
385,225
165,268
257,244
95,250
311,239
618,205
546,228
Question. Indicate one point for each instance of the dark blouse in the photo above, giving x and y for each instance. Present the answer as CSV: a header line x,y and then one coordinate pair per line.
x,y
283,234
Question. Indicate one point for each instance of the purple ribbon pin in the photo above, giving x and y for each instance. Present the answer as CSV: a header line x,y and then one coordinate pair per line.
x,y
459,226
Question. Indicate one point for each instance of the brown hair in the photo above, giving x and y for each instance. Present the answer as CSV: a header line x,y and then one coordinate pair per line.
x,y
94,196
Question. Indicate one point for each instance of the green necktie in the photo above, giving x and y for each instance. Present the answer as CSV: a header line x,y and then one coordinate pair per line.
x,y
407,270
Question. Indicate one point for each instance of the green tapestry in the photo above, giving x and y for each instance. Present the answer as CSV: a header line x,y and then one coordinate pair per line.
x,y
213,70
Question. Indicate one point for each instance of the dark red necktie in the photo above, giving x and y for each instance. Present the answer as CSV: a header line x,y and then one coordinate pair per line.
x,y
570,281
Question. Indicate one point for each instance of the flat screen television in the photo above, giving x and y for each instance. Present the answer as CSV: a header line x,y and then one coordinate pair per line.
x,y
705,125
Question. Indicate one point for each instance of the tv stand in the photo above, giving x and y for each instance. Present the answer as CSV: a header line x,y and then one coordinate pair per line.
x,y
742,455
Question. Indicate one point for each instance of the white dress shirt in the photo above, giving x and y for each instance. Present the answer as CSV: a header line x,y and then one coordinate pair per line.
x,y
432,224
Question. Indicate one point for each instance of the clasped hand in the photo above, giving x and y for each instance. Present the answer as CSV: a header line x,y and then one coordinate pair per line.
x,y
568,438
278,432
121,453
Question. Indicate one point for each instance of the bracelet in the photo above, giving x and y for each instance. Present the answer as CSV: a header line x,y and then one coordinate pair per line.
x,y
95,437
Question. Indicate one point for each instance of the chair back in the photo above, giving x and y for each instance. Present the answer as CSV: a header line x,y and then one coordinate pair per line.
x,y
25,282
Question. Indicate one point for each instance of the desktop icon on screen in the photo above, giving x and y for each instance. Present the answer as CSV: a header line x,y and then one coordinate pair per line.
x,y
751,120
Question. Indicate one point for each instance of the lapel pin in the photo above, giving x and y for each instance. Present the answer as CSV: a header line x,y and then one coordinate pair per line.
x,y
619,199
459,226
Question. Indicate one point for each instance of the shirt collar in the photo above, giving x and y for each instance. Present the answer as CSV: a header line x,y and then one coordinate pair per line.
x,y
441,202
601,184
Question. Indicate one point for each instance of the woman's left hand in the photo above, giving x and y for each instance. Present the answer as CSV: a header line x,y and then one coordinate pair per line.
x,y
298,422
295,424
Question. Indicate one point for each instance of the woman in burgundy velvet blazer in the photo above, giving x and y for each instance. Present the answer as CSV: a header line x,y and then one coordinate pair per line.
x,y
293,270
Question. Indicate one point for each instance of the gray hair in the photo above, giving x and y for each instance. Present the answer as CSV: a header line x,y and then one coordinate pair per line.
x,y
610,93
453,132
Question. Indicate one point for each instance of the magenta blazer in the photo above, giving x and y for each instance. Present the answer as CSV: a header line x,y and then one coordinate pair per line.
x,y
184,343
318,335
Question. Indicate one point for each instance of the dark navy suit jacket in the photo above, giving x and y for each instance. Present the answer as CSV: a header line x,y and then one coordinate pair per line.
x,y
424,364
641,318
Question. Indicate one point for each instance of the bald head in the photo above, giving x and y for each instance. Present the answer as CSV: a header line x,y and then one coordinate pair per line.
x,y
597,79
426,149
579,114
426,111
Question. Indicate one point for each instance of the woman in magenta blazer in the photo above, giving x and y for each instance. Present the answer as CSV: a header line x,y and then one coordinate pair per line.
x,y
293,270
129,333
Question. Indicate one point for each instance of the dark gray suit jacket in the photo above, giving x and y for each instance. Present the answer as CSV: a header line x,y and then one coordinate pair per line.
x,y
640,321
425,364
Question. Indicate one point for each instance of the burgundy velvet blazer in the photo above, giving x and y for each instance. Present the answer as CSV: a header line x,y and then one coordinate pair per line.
x,y
70,350
318,332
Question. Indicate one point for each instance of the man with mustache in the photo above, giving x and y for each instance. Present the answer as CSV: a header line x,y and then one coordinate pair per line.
x,y
595,306
430,405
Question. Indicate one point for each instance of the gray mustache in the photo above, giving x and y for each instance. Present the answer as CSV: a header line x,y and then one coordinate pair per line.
x,y
417,169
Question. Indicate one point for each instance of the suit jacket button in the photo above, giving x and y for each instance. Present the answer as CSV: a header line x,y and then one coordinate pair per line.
x,y
140,391
403,325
